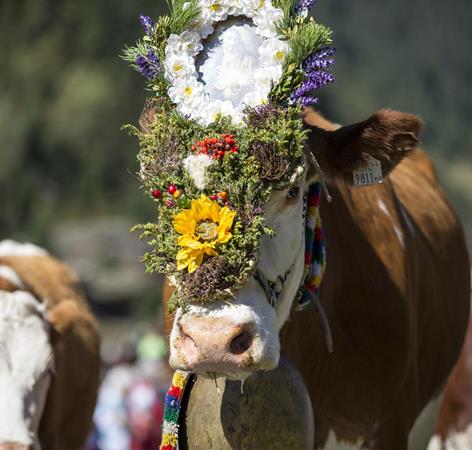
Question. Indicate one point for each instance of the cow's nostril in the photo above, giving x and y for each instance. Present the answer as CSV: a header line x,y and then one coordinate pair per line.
x,y
184,334
241,342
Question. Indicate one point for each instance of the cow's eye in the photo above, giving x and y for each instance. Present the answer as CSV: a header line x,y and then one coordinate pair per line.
x,y
293,193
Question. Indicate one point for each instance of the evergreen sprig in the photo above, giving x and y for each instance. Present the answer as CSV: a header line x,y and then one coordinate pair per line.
x,y
183,13
306,38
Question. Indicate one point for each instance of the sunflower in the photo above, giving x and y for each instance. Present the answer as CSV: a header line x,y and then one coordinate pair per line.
x,y
202,227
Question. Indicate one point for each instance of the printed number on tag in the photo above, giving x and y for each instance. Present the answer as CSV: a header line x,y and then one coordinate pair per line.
x,y
371,174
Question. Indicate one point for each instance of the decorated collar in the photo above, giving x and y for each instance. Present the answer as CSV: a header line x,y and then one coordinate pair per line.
x,y
222,130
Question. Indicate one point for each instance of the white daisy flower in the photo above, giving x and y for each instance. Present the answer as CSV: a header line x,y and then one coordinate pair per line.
x,y
215,108
214,10
273,52
179,66
188,92
236,8
267,76
202,27
254,6
266,21
257,97
188,43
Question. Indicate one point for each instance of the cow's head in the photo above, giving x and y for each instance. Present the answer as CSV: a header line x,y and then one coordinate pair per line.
x,y
238,337
26,366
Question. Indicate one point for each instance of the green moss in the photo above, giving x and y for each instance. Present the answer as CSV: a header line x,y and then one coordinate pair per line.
x,y
238,174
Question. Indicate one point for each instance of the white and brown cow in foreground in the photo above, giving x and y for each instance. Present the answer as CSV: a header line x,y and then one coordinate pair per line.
x,y
49,353
396,291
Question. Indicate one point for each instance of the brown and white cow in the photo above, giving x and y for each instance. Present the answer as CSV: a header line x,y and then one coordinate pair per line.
x,y
396,291
49,353
454,423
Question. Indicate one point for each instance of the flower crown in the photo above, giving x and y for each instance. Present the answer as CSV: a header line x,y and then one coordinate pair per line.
x,y
222,130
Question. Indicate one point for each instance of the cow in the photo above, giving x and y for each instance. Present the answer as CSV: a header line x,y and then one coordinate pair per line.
x,y
395,293
454,422
49,353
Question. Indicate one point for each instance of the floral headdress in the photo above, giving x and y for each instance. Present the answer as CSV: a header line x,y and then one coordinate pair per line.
x,y
222,130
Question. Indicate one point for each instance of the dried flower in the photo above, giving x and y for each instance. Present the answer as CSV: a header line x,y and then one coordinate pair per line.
x,y
259,115
272,166
207,280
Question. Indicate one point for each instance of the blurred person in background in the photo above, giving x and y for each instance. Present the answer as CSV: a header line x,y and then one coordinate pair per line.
x,y
130,405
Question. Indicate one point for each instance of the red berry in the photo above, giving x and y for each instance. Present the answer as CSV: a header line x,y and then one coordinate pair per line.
x,y
235,148
156,193
171,189
231,136
214,197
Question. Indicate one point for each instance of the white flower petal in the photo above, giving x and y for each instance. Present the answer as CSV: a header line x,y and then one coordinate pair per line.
x,y
196,166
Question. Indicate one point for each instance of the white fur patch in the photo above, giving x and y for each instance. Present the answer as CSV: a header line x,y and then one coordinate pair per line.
x,y
456,440
26,357
383,207
334,444
13,248
9,274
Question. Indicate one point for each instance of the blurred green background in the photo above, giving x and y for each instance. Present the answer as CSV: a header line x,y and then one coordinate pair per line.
x,y
67,171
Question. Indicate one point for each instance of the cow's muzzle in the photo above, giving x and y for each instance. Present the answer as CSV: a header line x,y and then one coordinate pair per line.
x,y
221,345
14,446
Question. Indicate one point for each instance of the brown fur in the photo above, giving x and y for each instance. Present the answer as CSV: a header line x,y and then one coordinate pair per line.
x,y
387,136
67,418
398,314
7,285
455,414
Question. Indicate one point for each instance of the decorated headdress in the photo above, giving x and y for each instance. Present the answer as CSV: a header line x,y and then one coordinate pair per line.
x,y
222,129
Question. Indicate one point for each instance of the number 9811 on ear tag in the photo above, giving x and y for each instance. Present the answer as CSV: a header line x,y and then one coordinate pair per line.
x,y
371,174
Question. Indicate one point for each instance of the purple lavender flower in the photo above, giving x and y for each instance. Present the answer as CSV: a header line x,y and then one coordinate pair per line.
x,y
316,76
319,60
315,80
308,100
147,23
319,78
149,65
304,5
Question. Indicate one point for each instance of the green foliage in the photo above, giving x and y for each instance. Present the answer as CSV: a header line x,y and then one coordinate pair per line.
x,y
305,38
238,174
183,13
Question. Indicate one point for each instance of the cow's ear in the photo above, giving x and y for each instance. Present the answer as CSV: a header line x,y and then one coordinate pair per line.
x,y
387,136
63,315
